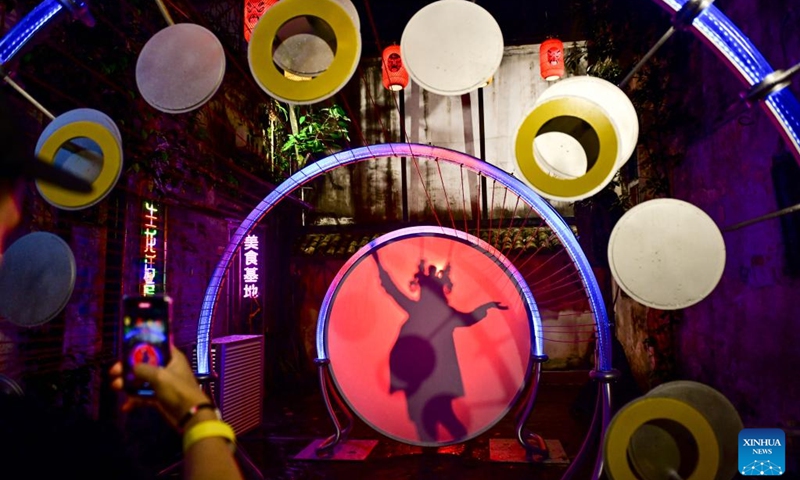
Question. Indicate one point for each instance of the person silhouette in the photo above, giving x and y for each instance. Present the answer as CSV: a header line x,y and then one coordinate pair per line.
x,y
423,361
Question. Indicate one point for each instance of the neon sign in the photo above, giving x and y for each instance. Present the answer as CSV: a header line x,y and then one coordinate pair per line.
x,y
152,246
250,268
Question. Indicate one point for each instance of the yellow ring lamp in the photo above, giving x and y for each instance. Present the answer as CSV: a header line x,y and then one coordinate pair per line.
x,y
553,146
567,109
649,437
634,416
326,84
95,155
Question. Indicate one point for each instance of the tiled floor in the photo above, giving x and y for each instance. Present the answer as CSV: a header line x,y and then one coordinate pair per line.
x,y
292,422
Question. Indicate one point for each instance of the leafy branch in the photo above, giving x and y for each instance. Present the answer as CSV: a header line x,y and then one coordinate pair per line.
x,y
314,132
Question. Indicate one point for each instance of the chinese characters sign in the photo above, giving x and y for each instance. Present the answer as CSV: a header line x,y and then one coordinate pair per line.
x,y
152,249
250,267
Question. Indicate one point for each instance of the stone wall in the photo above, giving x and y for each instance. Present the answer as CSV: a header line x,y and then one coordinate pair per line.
x,y
369,192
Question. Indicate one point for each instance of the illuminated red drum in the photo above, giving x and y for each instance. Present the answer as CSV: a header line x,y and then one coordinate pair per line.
x,y
429,333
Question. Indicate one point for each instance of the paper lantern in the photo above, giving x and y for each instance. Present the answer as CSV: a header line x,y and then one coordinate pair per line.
x,y
395,76
253,10
551,59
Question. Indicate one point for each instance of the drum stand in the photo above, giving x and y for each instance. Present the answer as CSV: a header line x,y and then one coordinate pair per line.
x,y
534,445
327,446
593,442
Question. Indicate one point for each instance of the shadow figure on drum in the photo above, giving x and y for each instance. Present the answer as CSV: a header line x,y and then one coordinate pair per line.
x,y
423,361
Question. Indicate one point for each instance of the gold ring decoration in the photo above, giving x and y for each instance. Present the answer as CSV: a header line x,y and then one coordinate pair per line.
x,y
94,154
647,410
604,142
680,427
611,99
326,84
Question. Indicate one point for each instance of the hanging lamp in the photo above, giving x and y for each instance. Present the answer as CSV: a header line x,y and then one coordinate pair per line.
x,y
395,76
253,10
551,59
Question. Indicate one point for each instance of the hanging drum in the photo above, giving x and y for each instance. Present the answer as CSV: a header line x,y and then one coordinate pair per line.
x,y
452,47
430,333
304,51
37,276
666,254
580,131
180,68
88,144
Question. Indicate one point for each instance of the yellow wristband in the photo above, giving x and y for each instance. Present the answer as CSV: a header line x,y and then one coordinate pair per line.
x,y
207,429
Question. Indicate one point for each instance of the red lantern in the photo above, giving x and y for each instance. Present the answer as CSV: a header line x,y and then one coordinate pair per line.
x,y
551,59
395,76
253,10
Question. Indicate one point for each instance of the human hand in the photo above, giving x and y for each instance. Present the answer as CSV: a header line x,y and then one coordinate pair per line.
x,y
175,386
499,306
496,305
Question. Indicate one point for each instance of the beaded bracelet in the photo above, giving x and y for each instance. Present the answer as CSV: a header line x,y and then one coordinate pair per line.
x,y
193,411
208,429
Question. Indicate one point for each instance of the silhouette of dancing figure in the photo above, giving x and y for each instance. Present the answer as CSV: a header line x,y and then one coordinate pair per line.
x,y
423,361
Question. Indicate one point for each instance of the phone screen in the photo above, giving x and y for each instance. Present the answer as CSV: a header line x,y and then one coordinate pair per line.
x,y
145,338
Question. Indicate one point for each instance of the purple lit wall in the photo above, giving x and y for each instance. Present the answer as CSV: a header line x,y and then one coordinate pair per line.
x,y
743,337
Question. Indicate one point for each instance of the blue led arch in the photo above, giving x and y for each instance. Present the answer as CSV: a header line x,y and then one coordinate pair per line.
x,y
37,21
348,157
738,52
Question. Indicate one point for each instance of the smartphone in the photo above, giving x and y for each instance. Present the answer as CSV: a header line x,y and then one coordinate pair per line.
x,y
145,338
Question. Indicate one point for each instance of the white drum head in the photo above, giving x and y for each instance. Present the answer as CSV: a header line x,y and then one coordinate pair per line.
x,y
560,155
180,68
452,47
304,54
666,254
37,276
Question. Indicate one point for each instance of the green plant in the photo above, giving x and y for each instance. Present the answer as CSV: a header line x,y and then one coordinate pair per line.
x,y
312,132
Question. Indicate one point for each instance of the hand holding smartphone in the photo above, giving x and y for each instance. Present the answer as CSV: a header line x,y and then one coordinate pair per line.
x,y
145,338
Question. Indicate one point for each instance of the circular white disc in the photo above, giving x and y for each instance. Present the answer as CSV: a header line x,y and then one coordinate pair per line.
x,y
37,276
452,47
666,254
560,155
180,68
304,54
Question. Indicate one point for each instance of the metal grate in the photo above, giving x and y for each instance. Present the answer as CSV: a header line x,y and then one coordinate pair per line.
x,y
239,363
